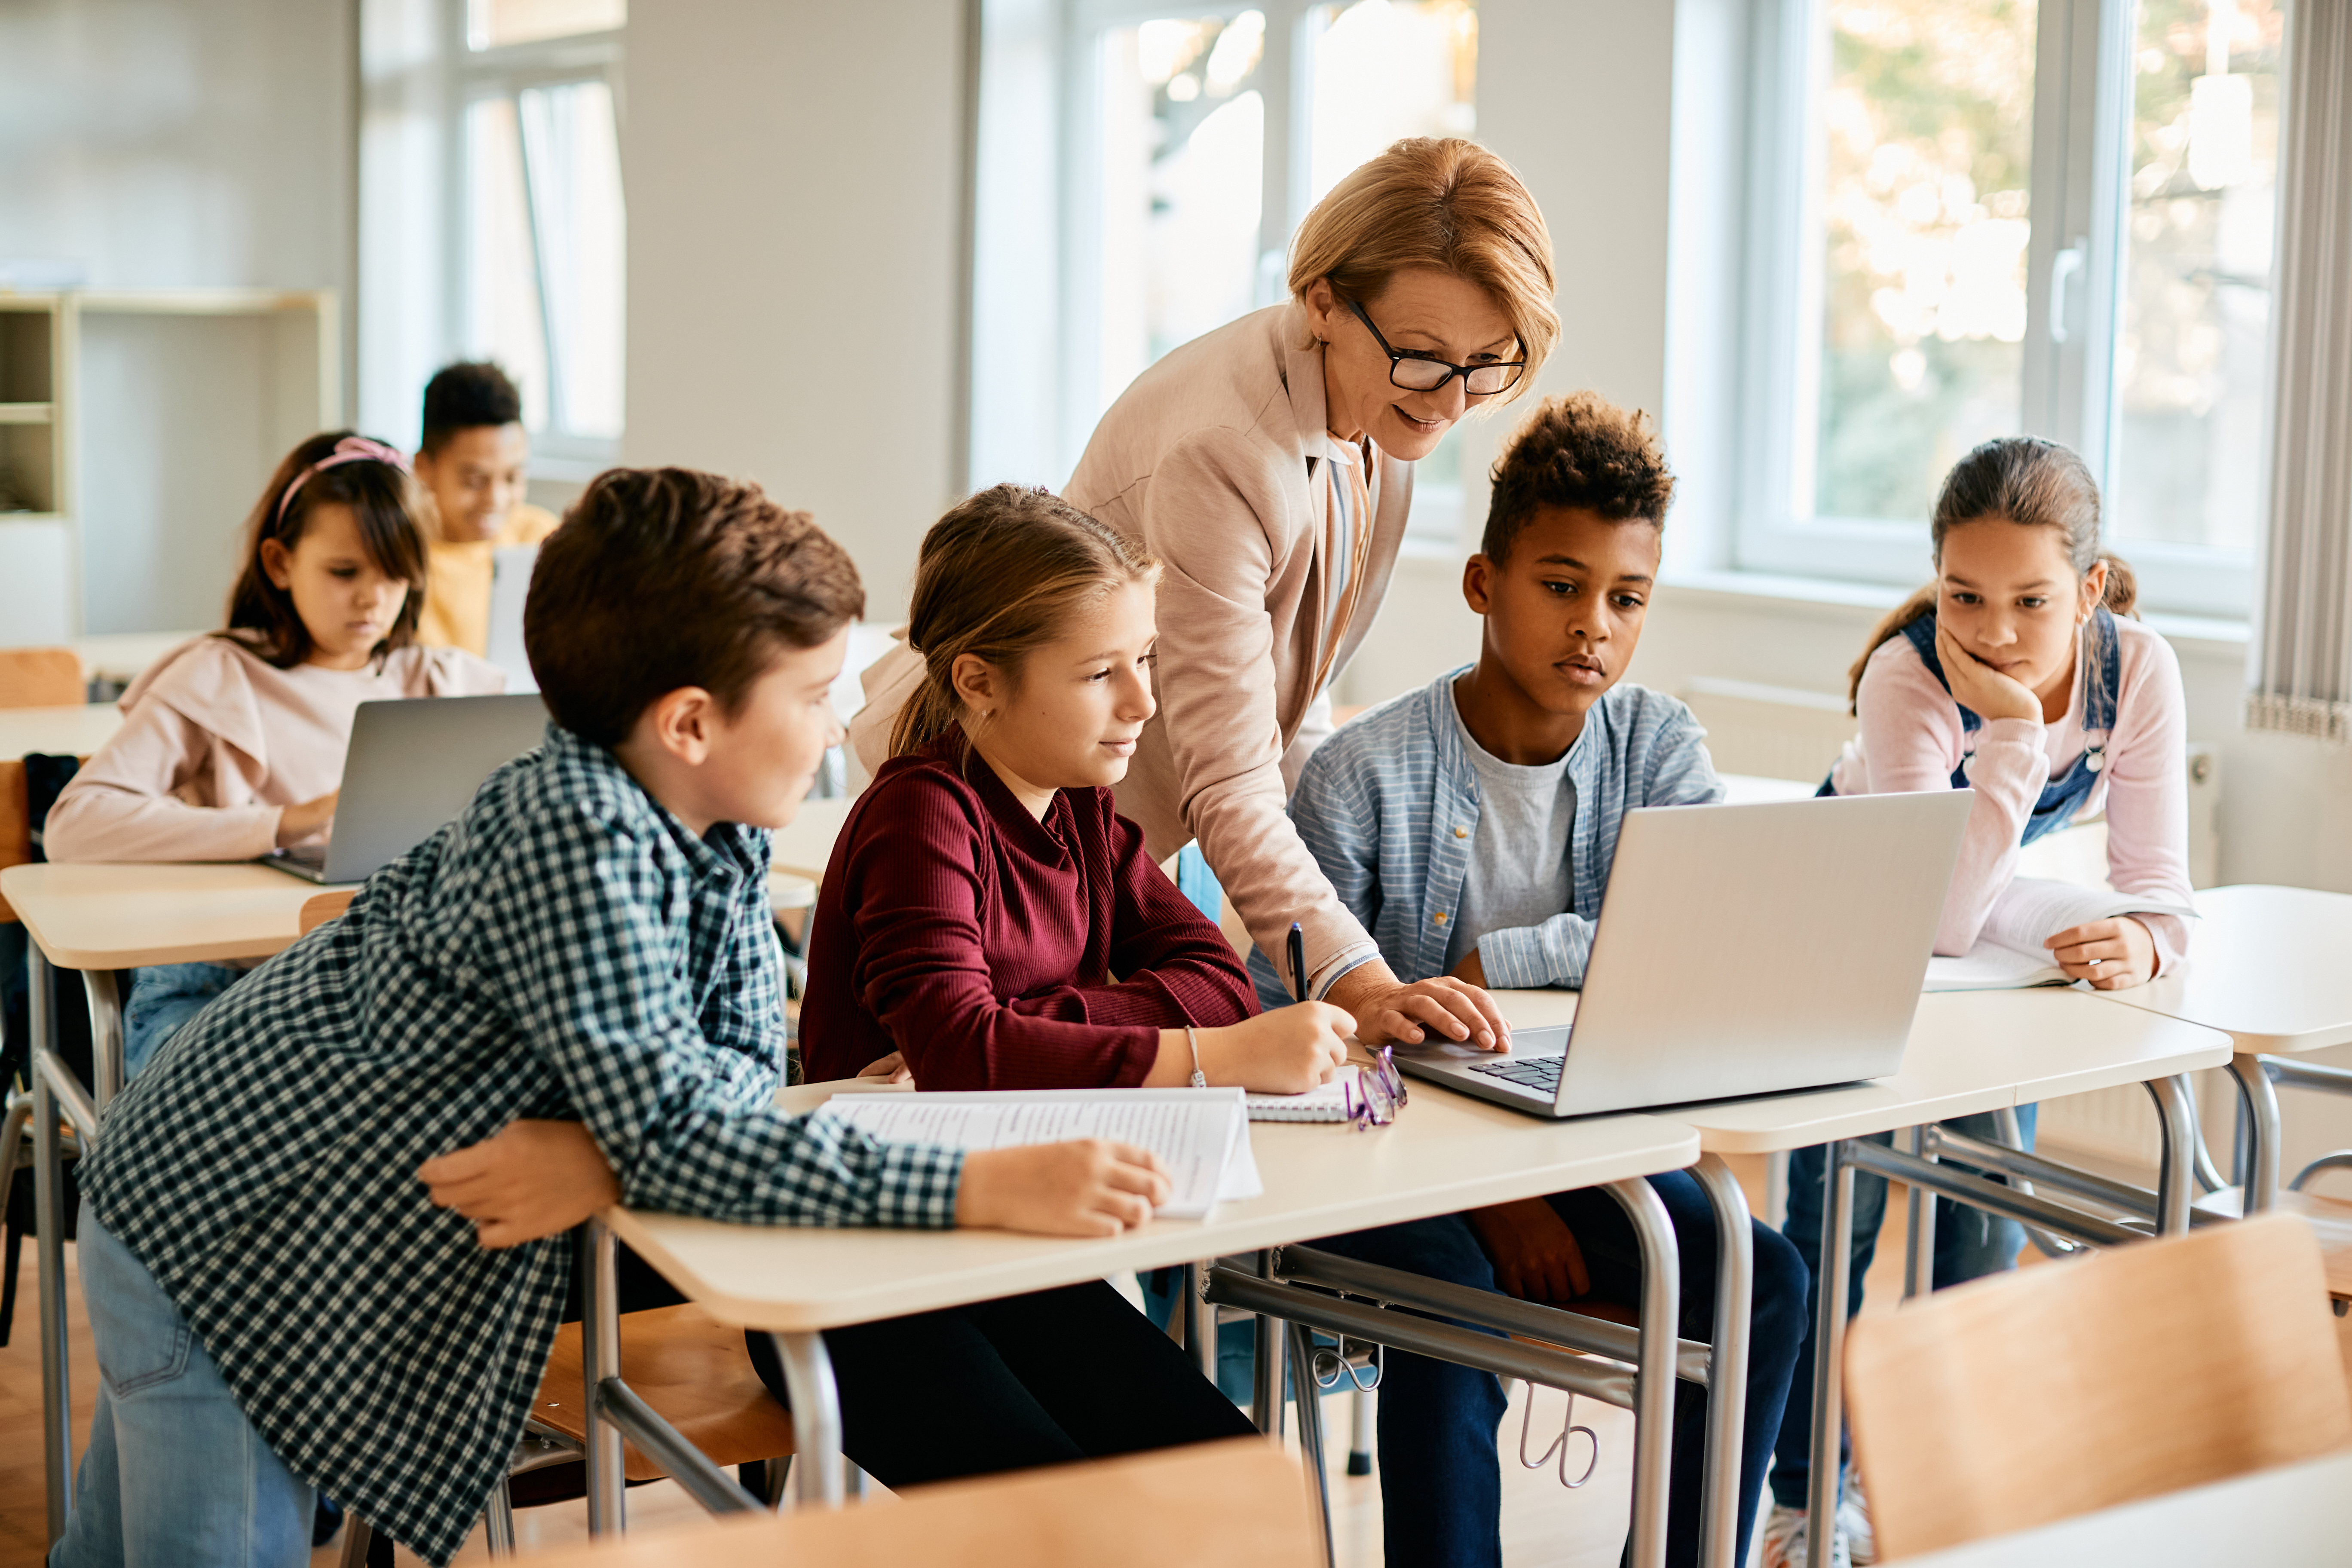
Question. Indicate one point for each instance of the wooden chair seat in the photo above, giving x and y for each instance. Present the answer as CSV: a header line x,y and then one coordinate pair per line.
x,y
693,1371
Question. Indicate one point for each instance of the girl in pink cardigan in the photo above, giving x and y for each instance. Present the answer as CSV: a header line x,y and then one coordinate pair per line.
x,y
232,743
2020,673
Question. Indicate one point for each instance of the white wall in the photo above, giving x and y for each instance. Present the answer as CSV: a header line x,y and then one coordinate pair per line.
x,y
168,143
794,178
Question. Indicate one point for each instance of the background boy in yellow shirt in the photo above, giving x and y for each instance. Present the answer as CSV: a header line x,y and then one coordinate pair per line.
x,y
472,461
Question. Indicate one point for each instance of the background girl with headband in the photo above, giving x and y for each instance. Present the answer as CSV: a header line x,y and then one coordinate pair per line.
x,y
232,745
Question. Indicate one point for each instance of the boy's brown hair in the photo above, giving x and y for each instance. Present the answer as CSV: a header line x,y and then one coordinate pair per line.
x,y
662,578
1582,451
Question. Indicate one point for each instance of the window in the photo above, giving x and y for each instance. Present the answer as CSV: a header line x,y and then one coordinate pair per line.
x,y
541,226
1184,150
1981,217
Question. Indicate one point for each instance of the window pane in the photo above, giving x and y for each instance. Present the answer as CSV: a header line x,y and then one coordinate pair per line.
x,y
580,227
1183,159
2192,356
502,317
1386,69
491,22
1923,135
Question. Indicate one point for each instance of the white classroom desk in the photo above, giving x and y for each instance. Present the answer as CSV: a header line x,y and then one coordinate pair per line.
x,y
2295,1516
99,918
1968,1052
2267,966
1443,1154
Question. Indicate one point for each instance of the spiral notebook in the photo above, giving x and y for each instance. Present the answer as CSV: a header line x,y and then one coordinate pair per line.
x,y
1325,1102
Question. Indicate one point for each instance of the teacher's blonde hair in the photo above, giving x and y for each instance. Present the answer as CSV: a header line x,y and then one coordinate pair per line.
x,y
1445,204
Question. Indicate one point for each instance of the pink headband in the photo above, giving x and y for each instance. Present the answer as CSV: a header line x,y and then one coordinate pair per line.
x,y
350,449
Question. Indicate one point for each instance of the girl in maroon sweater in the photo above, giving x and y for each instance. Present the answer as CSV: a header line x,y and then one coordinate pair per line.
x,y
988,921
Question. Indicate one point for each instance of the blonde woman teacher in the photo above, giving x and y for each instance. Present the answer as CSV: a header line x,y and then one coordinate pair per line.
x,y
1269,466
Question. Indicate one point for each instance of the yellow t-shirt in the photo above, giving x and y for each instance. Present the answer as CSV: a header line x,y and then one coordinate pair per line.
x,y
457,611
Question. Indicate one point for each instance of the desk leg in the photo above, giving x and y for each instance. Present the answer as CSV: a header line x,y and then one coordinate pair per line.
x,y
2258,1155
1727,1371
600,1358
1829,1352
1200,1320
1311,1429
2175,1184
1654,1384
816,1419
1919,1241
1266,1364
49,1245
105,1034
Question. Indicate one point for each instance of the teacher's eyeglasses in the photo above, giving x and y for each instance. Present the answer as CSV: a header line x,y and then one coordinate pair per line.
x,y
1427,373
1383,1093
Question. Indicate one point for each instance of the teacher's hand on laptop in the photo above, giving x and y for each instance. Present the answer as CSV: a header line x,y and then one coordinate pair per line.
x,y
412,766
1741,950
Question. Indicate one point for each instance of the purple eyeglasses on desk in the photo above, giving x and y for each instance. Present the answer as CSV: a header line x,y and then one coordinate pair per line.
x,y
1383,1094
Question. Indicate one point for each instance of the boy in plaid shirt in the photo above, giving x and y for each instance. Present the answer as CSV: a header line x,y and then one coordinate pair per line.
x,y
320,1243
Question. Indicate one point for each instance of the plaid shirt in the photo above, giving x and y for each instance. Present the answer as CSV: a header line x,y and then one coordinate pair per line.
x,y
565,949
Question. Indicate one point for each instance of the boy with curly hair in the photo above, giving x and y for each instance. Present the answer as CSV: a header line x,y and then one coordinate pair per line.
x,y
1470,825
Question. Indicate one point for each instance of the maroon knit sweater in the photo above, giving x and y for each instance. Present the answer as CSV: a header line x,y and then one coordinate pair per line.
x,y
955,928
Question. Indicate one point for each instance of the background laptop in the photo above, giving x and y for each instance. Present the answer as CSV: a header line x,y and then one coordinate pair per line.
x,y
1741,950
510,570
412,766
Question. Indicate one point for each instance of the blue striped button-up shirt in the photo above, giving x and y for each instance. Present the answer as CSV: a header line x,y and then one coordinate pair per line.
x,y
565,949
1390,805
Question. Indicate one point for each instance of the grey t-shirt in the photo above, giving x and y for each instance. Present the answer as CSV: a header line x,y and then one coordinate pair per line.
x,y
1518,873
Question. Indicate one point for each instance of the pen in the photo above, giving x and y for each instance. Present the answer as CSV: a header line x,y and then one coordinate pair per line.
x,y
1298,959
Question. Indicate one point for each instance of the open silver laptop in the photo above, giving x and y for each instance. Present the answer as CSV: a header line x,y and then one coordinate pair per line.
x,y
411,767
1741,950
510,570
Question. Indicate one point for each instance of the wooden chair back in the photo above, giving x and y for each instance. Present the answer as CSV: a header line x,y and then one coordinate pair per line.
x,y
2059,1390
41,678
1240,1503
320,907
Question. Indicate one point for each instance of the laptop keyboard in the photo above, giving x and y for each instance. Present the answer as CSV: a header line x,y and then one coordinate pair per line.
x,y
1534,1072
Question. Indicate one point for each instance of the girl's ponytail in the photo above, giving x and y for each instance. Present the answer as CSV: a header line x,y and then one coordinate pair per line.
x,y
1886,631
2122,597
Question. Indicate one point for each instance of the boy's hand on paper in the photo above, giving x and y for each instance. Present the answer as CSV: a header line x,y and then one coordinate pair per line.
x,y
892,1067
2112,955
1287,1051
1089,1186
1533,1253
1979,687
310,819
1443,1008
528,1180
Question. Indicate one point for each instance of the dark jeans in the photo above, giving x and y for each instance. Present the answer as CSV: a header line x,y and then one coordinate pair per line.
x,y
1969,1245
1441,1488
1044,1379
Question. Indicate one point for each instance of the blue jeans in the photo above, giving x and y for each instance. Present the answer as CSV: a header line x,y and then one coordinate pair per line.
x,y
1441,1491
163,997
1969,1245
174,1473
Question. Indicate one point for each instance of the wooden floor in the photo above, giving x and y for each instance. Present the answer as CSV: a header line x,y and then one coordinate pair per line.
x,y
1544,1526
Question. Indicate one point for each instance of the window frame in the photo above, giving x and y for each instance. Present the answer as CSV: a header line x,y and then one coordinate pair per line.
x,y
1072,363
2082,108
506,71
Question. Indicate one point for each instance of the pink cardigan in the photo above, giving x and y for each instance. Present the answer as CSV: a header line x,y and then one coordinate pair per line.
x,y
1912,740
215,742
1212,460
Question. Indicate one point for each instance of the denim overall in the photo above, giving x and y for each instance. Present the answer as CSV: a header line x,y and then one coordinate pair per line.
x,y
1969,1243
